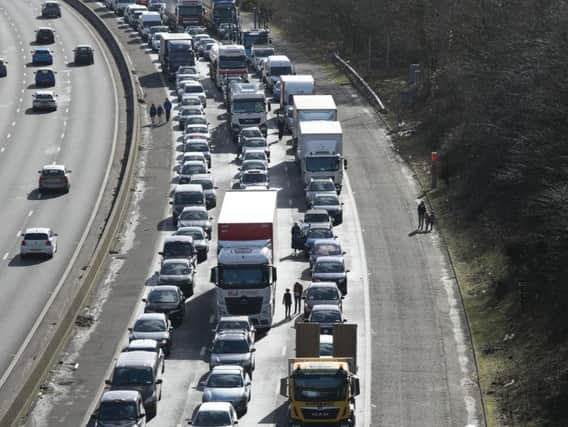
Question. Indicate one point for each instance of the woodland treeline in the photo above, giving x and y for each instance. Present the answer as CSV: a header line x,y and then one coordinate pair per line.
x,y
493,102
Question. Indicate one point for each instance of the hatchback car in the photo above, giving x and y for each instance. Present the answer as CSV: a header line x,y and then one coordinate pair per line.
x,y
329,203
44,100
42,56
38,241
209,188
254,179
168,300
324,247
236,323
255,144
214,414
192,156
331,269
200,145
187,69
190,168
317,231
327,316
179,247
121,408
54,178
195,216
193,88
45,77
151,346
84,55
233,348
154,326
45,35
200,240
321,293
248,132
316,216
50,9
255,154
321,186
188,100
228,383
178,272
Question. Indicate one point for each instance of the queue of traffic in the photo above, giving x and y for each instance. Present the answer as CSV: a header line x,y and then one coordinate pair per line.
x,y
245,274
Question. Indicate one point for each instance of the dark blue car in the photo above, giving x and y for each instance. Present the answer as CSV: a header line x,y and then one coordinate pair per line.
x,y
42,56
45,77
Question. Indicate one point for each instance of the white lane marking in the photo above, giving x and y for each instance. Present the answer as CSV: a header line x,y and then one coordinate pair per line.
x,y
13,124
30,213
62,135
17,110
58,150
5,257
21,99
8,136
277,387
19,233
2,149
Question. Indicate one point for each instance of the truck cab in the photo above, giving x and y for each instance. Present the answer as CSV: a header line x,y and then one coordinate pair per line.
x,y
247,106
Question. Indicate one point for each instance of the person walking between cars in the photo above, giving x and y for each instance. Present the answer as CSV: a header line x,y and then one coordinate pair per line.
x,y
153,113
287,301
421,214
298,290
167,109
160,113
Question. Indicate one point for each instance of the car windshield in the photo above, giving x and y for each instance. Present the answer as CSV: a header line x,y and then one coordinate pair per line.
x,y
44,73
162,296
190,101
193,169
327,294
198,129
149,325
36,236
232,324
233,62
175,269
212,419
225,381
194,215
256,143
322,164
197,147
253,165
44,96
251,133
326,348
196,233
177,249
322,186
193,89
259,155
187,70
326,201
326,249
254,178
326,316
246,106
328,267
188,198
53,172
197,120
191,112
117,411
320,233
263,53
132,376
230,346
280,71
315,218
206,184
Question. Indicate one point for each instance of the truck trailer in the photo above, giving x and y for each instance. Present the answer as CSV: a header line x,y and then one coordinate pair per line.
x,y
245,275
310,108
291,85
178,14
175,51
227,60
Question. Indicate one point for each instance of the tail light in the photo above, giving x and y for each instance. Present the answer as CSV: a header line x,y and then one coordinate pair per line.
x,y
47,243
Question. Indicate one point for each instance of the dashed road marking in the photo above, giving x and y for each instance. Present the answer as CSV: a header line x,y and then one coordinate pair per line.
x,y
5,257
30,213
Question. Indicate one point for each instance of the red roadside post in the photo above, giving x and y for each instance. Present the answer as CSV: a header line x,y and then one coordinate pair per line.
x,y
434,168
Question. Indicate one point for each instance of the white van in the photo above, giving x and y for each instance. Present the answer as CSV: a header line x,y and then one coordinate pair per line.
x,y
147,20
274,67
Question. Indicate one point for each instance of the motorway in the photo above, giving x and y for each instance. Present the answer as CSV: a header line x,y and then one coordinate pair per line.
x,y
415,359
81,134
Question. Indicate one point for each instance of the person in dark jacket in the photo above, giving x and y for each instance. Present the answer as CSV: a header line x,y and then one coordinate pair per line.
x,y
297,238
153,113
167,109
160,113
421,214
298,291
287,301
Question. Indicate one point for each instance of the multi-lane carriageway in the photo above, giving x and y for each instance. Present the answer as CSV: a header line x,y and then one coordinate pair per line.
x,y
414,357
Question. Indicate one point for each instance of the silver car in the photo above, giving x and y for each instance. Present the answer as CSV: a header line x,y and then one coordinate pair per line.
x,y
193,88
154,326
330,203
191,168
236,323
214,414
323,247
331,269
228,383
315,232
44,100
200,145
200,240
321,293
233,348
195,216
321,186
209,188
178,272
326,315
38,241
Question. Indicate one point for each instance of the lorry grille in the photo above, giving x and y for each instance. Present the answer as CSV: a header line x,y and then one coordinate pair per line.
x,y
249,121
243,305
320,413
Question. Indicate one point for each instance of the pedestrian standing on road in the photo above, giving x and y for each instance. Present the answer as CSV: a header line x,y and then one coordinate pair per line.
x,y
160,113
297,240
298,291
421,213
167,109
429,221
153,113
287,301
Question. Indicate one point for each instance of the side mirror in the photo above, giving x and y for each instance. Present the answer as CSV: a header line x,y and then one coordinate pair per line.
x,y
108,382
343,253
159,381
171,203
284,387
144,300
216,188
161,253
347,271
252,350
129,329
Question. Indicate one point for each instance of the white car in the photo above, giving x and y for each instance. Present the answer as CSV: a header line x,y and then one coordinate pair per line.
x,y
254,179
38,241
193,88
196,120
189,100
255,154
187,69
202,130
217,414
44,100
256,144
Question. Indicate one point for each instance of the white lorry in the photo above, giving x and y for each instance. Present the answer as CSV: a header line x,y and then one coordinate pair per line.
x,y
245,275
312,107
320,151
247,106
289,86
227,60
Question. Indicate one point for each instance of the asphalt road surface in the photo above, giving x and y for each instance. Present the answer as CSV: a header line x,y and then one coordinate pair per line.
x,y
81,134
414,356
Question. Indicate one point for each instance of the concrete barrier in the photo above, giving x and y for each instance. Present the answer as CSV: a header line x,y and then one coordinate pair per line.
x,y
26,393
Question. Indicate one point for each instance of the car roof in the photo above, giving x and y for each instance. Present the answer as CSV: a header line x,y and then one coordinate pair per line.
x,y
44,92
143,343
193,162
136,358
202,176
326,194
54,167
42,49
333,242
321,179
326,307
45,28
313,285
155,316
84,46
197,141
316,212
227,369
177,260
31,230
336,258
215,406
317,225
124,395
194,208
231,335
189,187
192,228
234,319
164,288
176,238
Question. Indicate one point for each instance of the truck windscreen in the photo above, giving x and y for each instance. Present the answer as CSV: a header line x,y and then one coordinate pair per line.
x,y
248,106
223,14
232,62
244,277
280,71
190,10
317,386
251,39
317,115
322,164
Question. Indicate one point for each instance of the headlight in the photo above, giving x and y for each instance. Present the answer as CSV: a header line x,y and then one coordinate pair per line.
x,y
164,341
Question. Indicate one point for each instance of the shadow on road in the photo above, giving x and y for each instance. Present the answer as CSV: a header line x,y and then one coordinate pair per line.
x,y
18,261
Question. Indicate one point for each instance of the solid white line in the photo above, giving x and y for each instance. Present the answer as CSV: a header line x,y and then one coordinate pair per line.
x,y
78,247
19,233
5,257
2,149
14,123
367,309
30,213
8,136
